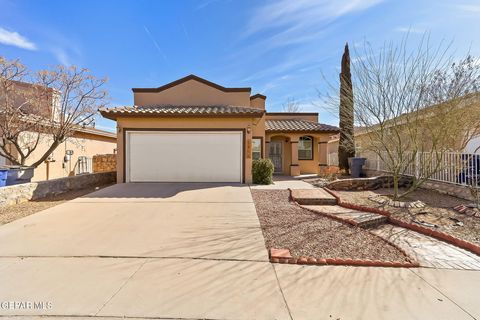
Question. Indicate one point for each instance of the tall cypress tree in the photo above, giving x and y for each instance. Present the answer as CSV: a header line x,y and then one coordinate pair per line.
x,y
346,146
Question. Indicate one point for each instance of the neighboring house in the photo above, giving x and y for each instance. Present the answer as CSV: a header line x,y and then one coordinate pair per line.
x,y
72,157
193,130
473,146
83,144
472,103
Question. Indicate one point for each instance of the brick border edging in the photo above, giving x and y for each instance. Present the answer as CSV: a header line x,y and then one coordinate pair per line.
x,y
407,225
349,262
343,262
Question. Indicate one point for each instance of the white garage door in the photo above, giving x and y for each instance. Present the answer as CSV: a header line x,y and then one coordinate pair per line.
x,y
184,156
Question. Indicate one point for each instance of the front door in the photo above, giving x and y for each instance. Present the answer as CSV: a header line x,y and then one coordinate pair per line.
x,y
275,154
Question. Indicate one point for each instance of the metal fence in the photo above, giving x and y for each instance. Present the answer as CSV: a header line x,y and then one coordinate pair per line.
x,y
84,165
451,167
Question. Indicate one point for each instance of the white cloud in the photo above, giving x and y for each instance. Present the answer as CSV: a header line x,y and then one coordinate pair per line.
x,y
283,23
300,14
409,30
62,56
473,8
12,38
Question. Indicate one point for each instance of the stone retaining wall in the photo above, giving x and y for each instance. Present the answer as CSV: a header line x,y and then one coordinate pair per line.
x,y
104,162
371,183
442,187
41,189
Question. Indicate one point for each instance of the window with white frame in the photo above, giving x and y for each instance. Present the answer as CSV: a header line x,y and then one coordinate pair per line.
x,y
305,148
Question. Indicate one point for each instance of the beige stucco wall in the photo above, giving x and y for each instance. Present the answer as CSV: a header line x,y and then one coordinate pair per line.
x,y
306,166
82,144
255,126
193,93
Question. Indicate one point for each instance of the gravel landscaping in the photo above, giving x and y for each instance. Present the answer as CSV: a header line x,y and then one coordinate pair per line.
x,y
287,226
17,211
437,214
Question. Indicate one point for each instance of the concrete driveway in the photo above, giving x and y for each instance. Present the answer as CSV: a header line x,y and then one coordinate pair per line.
x,y
196,251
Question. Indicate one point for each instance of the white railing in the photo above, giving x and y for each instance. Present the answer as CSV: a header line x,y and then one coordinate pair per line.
x,y
84,165
332,159
454,167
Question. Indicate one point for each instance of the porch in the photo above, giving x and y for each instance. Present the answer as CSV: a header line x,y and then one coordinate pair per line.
x,y
296,154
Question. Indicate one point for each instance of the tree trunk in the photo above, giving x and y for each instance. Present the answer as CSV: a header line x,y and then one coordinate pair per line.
x,y
346,146
44,157
395,186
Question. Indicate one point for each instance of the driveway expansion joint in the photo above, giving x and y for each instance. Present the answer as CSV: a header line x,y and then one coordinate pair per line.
x,y
443,294
282,293
121,287
136,257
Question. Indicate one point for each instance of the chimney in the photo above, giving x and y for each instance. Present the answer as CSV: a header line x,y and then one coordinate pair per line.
x,y
257,101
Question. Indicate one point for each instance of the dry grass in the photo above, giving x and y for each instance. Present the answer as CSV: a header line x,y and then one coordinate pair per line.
x,y
304,233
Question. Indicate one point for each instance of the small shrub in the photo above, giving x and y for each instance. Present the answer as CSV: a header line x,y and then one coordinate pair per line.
x,y
262,171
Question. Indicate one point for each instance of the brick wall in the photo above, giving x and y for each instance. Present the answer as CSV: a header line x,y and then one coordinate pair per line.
x,y
104,162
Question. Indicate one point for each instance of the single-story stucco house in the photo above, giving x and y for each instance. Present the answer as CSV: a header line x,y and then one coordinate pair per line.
x,y
83,144
74,155
193,130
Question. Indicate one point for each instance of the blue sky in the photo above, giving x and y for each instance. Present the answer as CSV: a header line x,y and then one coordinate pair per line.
x,y
280,48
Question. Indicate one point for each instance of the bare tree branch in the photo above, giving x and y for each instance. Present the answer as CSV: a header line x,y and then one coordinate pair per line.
x,y
46,105
413,103
291,105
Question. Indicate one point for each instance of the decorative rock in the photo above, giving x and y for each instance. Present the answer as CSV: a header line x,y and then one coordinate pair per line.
x,y
473,212
302,260
311,260
399,204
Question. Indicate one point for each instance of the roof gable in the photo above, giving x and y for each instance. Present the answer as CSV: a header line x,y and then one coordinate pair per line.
x,y
188,78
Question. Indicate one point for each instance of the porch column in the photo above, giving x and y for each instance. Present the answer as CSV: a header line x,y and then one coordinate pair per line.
x,y
322,157
294,167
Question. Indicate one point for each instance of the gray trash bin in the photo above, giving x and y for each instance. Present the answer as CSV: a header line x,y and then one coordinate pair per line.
x,y
356,165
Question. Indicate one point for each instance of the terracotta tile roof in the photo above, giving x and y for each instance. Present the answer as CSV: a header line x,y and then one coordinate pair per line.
x,y
297,125
168,110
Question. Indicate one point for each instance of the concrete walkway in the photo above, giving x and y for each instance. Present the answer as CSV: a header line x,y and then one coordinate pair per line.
x,y
196,251
428,251
285,182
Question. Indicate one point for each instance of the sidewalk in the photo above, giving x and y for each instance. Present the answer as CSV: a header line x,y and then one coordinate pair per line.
x,y
208,289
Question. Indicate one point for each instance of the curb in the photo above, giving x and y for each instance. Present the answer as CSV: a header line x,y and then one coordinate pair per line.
x,y
407,225
288,259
